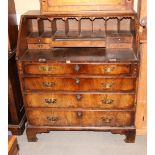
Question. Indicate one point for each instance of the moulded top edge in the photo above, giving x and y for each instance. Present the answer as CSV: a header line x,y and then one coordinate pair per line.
x,y
87,14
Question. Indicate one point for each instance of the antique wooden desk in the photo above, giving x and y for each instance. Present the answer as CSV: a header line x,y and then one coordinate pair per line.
x,y
78,63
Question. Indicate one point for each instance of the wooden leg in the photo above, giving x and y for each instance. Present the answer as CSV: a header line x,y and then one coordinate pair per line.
x,y
31,135
130,136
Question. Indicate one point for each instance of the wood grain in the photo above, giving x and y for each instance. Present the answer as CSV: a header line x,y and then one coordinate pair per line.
x,y
80,100
77,118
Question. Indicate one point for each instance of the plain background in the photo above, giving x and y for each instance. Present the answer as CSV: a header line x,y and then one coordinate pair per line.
x,y
23,6
4,70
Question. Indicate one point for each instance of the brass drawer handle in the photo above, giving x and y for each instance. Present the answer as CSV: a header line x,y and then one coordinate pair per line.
x,y
78,97
107,101
40,46
79,114
109,69
77,81
45,68
107,119
48,84
51,101
52,119
77,68
107,85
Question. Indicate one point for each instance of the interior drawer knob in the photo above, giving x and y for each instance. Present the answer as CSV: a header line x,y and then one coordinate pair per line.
x,y
50,101
48,84
107,119
79,114
107,101
78,97
109,69
77,68
52,119
77,81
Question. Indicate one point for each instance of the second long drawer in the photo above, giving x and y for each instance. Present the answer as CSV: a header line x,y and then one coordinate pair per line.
x,y
78,100
79,84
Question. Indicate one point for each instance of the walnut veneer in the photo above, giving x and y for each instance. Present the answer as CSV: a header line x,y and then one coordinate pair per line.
x,y
79,71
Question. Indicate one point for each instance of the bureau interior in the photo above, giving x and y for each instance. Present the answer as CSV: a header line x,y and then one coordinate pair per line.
x,y
42,34
78,28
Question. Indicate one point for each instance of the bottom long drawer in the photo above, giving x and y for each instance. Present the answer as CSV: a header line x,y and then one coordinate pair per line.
x,y
51,117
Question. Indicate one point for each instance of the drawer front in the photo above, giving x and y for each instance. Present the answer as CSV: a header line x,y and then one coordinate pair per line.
x,y
79,84
80,118
93,101
92,69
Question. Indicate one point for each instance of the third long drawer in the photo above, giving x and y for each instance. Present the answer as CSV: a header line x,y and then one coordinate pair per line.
x,y
81,100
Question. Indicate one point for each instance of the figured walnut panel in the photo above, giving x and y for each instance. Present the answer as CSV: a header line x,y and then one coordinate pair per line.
x,y
92,101
79,118
79,84
76,69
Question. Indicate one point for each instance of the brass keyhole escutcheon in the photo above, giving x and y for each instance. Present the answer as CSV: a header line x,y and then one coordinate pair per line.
x,y
77,81
78,97
77,68
79,114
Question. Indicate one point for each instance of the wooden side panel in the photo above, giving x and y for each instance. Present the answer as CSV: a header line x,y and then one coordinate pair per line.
x,y
141,114
12,26
142,11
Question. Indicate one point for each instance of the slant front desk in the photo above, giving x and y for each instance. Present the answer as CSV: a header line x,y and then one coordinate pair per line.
x,y
79,68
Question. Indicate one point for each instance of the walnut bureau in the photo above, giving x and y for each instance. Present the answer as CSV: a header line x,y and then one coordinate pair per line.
x,y
79,69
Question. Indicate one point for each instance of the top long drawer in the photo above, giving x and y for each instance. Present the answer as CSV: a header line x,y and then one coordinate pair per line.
x,y
75,69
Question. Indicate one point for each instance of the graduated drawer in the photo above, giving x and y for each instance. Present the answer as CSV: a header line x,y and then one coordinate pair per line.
x,y
79,84
51,117
85,69
92,101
